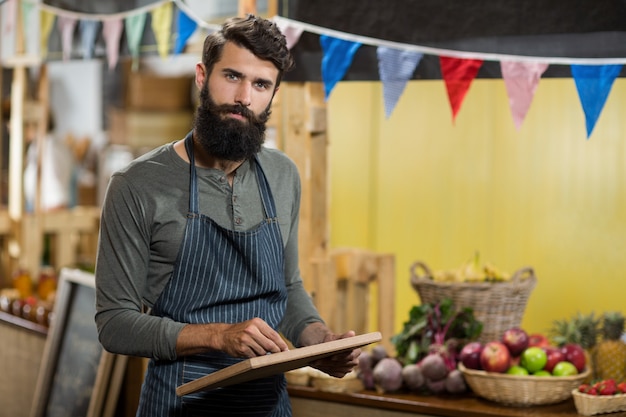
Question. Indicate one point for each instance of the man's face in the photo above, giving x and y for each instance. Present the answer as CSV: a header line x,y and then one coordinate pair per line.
x,y
234,104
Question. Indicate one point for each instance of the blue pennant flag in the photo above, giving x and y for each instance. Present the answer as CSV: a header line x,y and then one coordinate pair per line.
x,y
338,55
594,83
186,28
88,31
395,67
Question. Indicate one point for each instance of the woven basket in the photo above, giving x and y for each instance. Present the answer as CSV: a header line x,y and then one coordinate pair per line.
x,y
589,405
520,390
498,305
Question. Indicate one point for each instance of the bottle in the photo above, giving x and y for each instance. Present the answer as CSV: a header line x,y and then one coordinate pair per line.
x,y
23,282
47,284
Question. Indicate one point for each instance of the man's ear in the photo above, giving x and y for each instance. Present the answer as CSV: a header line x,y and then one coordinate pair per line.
x,y
201,75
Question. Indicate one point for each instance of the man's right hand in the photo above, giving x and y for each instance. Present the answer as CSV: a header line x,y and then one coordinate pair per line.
x,y
247,339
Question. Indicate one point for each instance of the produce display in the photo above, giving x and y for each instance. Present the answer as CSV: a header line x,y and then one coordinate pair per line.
x,y
427,352
518,353
600,337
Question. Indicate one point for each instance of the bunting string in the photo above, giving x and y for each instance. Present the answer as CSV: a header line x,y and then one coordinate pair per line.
x,y
397,61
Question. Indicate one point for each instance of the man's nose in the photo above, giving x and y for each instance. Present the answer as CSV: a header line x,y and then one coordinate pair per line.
x,y
243,94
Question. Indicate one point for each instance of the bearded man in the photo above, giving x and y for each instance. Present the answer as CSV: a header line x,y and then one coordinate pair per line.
x,y
197,265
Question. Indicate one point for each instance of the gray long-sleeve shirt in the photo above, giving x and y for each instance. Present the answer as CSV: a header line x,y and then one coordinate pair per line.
x,y
142,226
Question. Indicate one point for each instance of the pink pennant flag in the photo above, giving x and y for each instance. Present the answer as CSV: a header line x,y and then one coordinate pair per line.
x,y
291,32
521,80
11,15
112,33
458,75
66,26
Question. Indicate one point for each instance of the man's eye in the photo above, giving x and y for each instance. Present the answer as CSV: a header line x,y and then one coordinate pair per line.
x,y
232,76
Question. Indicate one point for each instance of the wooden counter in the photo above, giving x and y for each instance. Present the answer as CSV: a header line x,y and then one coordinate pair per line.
x,y
309,402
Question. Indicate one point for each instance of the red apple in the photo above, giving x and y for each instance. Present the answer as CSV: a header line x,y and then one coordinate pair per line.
x,y
516,340
495,357
554,356
575,354
538,339
470,355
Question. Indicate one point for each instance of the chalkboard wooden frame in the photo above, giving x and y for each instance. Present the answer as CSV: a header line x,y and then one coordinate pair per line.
x,y
110,368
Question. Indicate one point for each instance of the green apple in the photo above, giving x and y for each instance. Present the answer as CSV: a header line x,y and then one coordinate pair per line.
x,y
533,359
517,370
542,372
564,368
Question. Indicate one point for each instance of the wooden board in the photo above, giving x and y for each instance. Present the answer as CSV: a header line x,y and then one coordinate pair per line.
x,y
263,366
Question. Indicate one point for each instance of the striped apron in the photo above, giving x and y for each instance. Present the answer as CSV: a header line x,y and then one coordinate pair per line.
x,y
220,276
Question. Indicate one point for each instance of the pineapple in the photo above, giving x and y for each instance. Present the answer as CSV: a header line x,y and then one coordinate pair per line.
x,y
610,353
582,330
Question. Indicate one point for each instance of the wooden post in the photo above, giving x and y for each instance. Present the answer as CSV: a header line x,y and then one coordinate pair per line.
x,y
304,140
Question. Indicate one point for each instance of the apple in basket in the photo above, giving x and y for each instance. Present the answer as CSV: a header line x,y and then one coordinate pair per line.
x,y
495,357
575,354
470,355
516,340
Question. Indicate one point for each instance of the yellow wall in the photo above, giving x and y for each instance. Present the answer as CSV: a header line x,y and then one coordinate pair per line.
x,y
423,188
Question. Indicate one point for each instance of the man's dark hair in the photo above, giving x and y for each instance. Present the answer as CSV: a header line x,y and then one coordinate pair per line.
x,y
260,36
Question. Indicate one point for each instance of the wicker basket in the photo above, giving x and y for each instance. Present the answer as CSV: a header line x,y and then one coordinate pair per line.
x,y
520,390
589,405
499,306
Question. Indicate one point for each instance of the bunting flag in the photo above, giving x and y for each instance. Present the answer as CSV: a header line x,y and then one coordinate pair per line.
x,y
46,20
521,80
112,33
338,55
88,32
66,27
11,11
186,26
292,33
458,75
395,67
594,83
134,27
161,26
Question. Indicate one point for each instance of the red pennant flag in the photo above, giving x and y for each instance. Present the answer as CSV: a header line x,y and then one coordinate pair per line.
x,y
458,75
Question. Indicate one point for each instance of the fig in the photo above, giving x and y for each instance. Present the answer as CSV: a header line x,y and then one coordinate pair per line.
x,y
379,352
388,375
436,387
434,367
413,377
455,382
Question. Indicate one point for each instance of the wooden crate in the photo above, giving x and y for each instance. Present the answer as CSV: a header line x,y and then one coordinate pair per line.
x,y
147,129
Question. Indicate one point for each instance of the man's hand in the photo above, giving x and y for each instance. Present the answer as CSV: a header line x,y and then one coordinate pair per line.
x,y
247,339
337,365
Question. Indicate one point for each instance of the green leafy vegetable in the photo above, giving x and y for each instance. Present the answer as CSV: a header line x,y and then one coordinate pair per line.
x,y
436,325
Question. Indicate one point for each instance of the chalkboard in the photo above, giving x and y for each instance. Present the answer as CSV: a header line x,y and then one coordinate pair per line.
x,y
75,373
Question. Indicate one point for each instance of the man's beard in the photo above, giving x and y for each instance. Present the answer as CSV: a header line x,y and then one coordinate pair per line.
x,y
224,137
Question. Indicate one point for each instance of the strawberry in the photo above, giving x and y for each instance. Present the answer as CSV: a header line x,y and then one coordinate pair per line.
x,y
584,387
622,387
592,391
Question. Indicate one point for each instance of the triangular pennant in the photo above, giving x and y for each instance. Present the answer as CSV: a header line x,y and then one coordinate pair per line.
x,y
29,20
66,27
112,33
162,27
594,83
185,28
46,20
395,67
134,26
337,58
292,33
521,80
11,13
458,75
88,31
